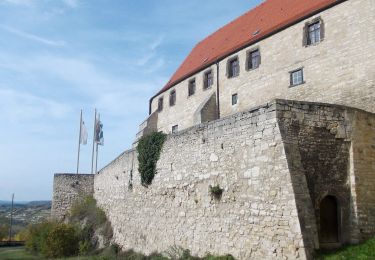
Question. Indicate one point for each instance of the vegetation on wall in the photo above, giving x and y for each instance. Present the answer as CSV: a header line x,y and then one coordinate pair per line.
x,y
149,148
216,191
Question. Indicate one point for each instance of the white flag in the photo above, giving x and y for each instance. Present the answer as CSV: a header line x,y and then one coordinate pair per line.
x,y
83,135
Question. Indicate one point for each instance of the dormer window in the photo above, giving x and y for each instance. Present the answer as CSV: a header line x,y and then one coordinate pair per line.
x,y
160,104
172,98
233,68
191,87
208,79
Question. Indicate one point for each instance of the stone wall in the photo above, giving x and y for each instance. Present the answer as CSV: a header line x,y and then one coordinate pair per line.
x,y
339,70
67,188
363,173
275,163
257,215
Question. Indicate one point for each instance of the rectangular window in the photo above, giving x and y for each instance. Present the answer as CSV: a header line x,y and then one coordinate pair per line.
x,y
296,77
191,88
314,31
253,60
174,129
208,80
233,68
160,104
172,98
234,99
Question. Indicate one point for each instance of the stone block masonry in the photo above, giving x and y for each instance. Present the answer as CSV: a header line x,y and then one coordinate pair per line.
x,y
67,188
277,163
257,216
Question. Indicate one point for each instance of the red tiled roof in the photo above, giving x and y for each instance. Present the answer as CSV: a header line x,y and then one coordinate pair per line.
x,y
266,19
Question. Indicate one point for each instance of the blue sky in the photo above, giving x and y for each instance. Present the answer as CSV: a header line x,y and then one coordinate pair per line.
x,y
58,56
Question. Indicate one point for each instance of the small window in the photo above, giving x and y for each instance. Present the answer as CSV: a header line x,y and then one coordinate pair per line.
x,y
208,79
191,88
253,59
172,98
174,129
160,104
296,77
233,68
234,99
313,32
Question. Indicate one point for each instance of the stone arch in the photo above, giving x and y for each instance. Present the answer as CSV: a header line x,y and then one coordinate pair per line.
x,y
329,222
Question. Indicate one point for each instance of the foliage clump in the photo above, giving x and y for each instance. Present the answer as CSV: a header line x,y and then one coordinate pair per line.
x,y
52,239
216,191
149,148
3,229
92,221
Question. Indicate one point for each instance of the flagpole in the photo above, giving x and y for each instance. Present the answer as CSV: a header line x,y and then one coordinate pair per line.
x,y
79,140
93,145
96,163
97,144
11,220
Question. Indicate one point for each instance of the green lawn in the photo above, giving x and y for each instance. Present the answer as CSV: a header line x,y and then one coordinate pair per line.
x,y
365,251
19,253
15,253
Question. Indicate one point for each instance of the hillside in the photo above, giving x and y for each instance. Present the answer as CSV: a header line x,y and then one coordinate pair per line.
x,y
24,213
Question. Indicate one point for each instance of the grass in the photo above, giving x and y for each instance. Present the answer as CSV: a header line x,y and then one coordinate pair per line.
x,y
20,253
15,253
365,251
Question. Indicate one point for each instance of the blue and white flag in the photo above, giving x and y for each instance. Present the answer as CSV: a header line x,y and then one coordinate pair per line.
x,y
99,138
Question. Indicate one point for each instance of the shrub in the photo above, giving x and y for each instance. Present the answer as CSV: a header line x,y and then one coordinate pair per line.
x,y
62,240
52,239
86,209
216,191
149,148
3,231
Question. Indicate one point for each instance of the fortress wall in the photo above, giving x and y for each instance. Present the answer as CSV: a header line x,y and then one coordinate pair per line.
x,y
334,148
363,168
256,217
66,190
338,70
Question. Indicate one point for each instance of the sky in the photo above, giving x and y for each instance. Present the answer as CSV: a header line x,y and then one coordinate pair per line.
x,y
60,56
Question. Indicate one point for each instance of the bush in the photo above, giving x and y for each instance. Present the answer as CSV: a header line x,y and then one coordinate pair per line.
x,y
62,240
86,209
52,239
149,148
216,191
3,232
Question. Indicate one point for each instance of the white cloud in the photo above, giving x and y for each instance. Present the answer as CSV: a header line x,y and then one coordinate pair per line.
x,y
18,2
17,106
33,37
71,3
157,42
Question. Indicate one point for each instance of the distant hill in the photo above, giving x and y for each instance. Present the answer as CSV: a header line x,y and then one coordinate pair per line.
x,y
31,203
24,213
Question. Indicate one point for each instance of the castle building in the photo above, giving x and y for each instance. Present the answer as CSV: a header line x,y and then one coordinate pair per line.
x,y
319,51
277,109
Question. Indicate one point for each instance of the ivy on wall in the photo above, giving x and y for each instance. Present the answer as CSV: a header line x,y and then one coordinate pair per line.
x,y
149,148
